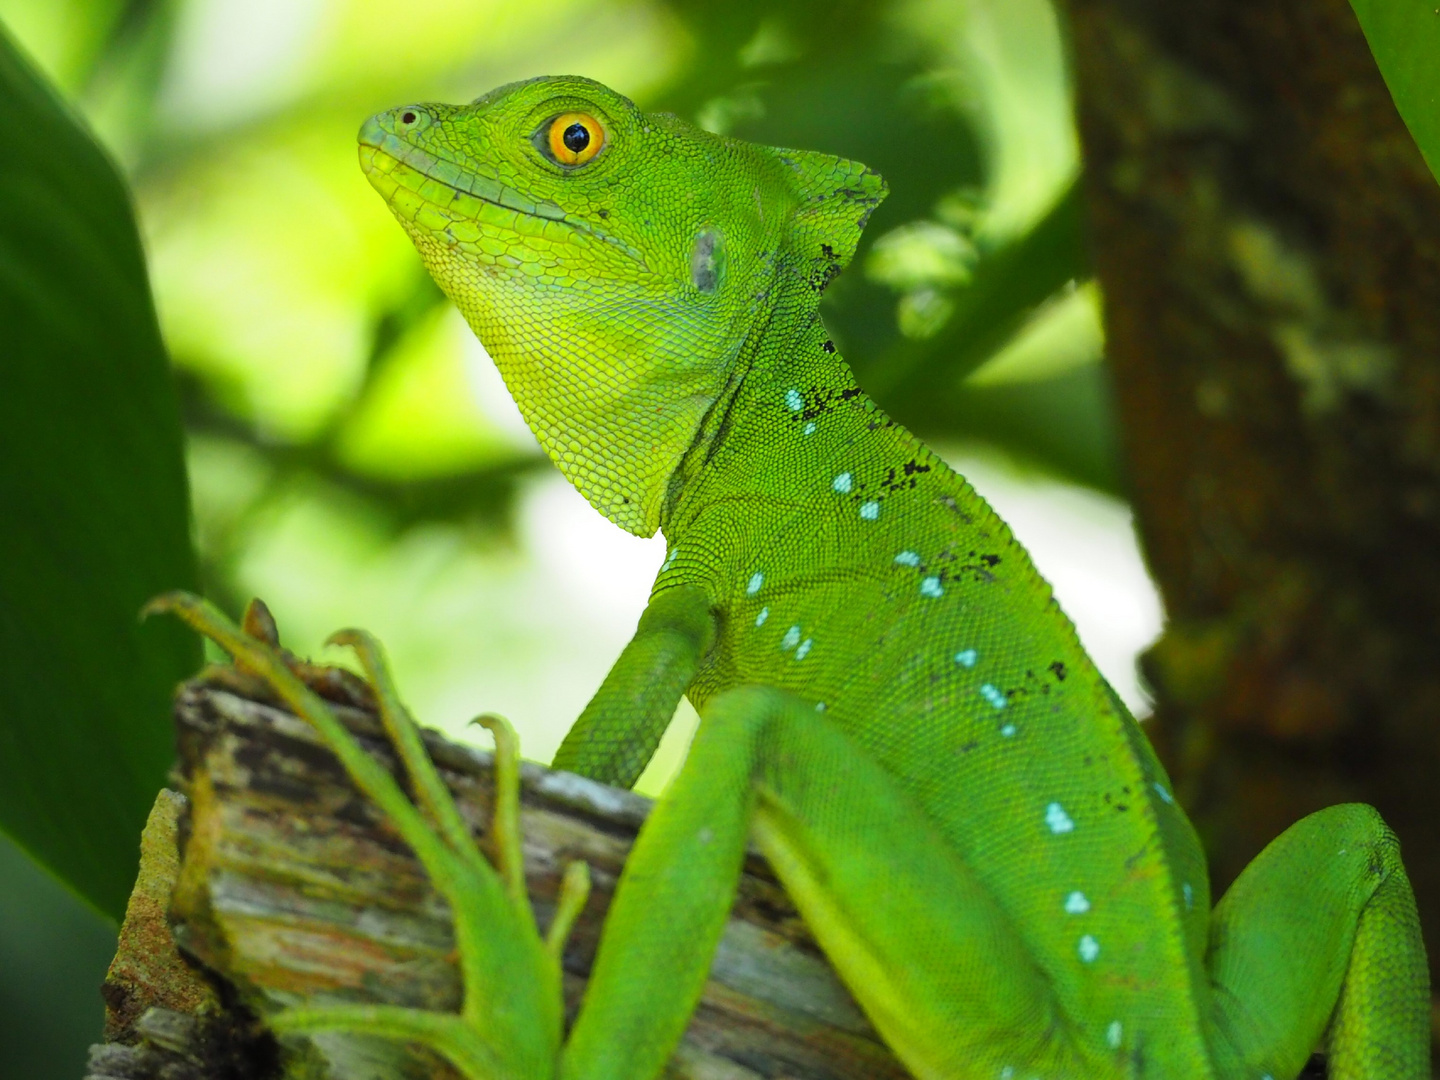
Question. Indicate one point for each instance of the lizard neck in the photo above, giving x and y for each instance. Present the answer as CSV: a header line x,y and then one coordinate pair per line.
x,y
787,378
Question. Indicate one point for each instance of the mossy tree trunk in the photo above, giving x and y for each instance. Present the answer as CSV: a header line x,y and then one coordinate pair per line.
x,y
1268,239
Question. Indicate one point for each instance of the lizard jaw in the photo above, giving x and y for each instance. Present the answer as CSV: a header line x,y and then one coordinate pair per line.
x,y
433,193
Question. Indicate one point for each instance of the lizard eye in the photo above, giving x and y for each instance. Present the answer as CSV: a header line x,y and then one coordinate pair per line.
x,y
575,138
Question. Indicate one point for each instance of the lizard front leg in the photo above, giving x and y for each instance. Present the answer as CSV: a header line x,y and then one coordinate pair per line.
x,y
616,735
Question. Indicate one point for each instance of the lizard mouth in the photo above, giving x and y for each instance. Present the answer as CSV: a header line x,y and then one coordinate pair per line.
x,y
459,192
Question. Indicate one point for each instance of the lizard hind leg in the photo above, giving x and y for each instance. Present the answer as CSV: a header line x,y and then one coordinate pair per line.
x,y
1318,942
509,1024
912,931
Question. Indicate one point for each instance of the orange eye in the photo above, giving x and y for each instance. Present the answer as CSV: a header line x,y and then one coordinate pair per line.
x,y
575,138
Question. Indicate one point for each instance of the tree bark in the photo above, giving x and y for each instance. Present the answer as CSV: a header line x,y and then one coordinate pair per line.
x,y
1268,239
290,884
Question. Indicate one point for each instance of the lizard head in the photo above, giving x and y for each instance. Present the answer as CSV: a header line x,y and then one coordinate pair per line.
x,y
615,264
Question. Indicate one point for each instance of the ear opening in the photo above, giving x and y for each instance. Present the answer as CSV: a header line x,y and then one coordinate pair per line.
x,y
836,199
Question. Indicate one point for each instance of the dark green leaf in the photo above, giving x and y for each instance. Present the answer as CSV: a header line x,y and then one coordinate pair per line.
x,y
1405,38
53,952
93,504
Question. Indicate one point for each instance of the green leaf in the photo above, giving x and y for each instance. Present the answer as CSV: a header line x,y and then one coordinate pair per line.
x,y
1404,35
53,952
94,515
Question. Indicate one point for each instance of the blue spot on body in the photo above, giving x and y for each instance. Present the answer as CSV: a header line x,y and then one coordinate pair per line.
x,y
756,580
994,696
908,558
1057,819
794,401
1165,796
931,586
1008,730
966,657
804,649
810,428
1076,904
764,614
842,483
1089,949
791,638
870,510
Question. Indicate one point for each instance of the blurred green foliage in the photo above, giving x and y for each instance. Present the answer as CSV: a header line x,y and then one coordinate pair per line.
x,y
350,453
351,456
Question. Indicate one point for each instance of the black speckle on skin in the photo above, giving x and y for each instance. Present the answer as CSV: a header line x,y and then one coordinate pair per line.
x,y
851,392
604,214
965,748
979,569
948,501
829,346
912,470
821,278
1141,853
1058,669
817,401
1035,683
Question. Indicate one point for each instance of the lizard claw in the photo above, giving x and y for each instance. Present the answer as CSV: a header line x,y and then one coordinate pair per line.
x,y
501,955
259,623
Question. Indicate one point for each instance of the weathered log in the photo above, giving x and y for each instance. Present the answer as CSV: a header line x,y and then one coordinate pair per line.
x,y
292,888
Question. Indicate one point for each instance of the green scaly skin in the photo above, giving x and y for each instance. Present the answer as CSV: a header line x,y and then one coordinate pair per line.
x,y
893,706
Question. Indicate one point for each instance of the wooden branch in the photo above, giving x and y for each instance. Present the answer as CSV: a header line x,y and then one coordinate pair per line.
x,y
292,888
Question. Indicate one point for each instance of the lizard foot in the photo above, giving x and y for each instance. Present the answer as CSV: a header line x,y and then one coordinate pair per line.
x,y
509,1023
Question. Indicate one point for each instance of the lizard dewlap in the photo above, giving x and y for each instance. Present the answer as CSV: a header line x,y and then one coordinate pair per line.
x,y
893,705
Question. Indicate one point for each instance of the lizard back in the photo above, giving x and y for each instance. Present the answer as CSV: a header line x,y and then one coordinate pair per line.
x,y
851,566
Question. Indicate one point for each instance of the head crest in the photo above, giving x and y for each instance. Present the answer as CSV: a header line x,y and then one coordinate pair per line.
x,y
837,197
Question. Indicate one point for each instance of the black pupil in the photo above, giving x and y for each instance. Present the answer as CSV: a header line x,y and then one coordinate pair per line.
x,y
576,138
407,118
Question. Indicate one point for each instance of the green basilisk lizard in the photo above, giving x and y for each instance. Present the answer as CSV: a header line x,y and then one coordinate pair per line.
x,y
893,706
